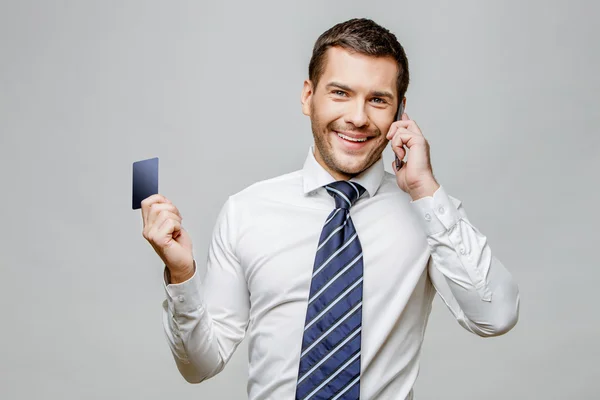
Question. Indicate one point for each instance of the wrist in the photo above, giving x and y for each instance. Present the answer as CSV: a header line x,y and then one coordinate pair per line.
x,y
179,276
426,189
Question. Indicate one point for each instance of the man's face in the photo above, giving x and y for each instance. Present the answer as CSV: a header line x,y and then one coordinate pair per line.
x,y
351,110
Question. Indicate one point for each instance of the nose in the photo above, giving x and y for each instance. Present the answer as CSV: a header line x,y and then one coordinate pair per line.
x,y
357,116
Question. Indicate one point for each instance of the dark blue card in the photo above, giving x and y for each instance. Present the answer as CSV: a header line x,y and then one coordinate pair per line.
x,y
145,180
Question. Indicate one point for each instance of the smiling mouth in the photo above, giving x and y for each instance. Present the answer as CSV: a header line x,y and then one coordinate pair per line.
x,y
351,139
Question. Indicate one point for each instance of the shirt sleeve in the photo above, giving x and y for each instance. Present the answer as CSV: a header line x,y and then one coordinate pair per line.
x,y
476,287
206,319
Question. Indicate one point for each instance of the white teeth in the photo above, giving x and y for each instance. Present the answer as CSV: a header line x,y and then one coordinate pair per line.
x,y
351,139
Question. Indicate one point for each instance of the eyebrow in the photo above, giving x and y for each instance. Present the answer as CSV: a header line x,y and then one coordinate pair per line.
x,y
376,93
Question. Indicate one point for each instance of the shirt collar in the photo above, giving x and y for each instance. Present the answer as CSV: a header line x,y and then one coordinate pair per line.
x,y
315,176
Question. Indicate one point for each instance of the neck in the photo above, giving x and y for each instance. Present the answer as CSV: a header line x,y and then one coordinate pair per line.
x,y
336,174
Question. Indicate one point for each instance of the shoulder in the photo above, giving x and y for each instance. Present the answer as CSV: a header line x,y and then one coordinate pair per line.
x,y
271,188
250,199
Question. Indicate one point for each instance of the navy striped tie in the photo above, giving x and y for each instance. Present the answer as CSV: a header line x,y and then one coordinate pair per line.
x,y
330,357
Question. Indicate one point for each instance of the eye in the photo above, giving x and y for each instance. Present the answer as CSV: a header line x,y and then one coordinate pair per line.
x,y
339,92
379,100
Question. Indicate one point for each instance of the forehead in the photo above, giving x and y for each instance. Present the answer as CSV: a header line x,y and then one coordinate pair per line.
x,y
359,71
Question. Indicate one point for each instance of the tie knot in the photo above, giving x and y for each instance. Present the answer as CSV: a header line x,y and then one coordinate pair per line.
x,y
345,193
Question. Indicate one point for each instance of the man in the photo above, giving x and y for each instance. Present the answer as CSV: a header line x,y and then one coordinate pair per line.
x,y
330,271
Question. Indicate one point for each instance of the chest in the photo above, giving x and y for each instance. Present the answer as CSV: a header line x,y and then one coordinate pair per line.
x,y
277,251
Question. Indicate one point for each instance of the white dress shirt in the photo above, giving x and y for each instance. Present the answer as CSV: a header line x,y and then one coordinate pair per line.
x,y
260,263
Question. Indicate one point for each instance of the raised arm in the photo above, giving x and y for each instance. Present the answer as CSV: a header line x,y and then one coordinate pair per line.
x,y
472,282
204,318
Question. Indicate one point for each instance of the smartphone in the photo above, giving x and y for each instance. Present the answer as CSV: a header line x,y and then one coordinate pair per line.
x,y
398,118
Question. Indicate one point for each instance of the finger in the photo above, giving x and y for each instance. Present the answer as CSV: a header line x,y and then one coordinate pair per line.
x,y
170,227
398,148
154,233
407,138
392,131
164,215
400,138
157,208
407,124
160,218
147,203
396,126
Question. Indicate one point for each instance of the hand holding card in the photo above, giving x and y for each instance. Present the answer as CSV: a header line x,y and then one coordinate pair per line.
x,y
162,222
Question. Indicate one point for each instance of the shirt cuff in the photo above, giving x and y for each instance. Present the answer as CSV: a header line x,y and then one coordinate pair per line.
x,y
185,296
437,213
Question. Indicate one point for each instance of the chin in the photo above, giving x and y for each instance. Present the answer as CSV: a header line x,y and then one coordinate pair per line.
x,y
350,165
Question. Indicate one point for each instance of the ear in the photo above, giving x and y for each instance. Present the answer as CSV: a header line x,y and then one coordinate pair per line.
x,y
306,98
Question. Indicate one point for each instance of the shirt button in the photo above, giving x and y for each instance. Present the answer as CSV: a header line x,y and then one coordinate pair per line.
x,y
180,298
441,210
428,217
462,250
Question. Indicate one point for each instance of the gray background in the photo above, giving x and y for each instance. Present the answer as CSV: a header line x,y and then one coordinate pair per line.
x,y
505,91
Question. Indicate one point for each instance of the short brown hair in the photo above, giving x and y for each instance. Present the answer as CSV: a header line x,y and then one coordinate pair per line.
x,y
363,36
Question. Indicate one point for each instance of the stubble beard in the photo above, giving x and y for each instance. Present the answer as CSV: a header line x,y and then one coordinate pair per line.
x,y
322,139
